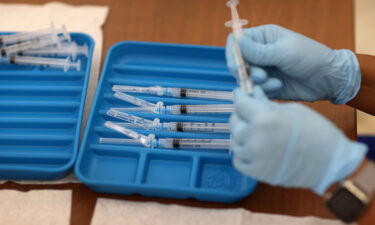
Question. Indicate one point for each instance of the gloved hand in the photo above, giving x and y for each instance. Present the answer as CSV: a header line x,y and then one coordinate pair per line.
x,y
307,70
289,144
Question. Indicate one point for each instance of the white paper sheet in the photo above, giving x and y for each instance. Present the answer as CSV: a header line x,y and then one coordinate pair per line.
x,y
39,207
110,211
365,44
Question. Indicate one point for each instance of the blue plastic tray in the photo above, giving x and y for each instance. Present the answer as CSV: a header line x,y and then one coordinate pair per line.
x,y
120,169
40,118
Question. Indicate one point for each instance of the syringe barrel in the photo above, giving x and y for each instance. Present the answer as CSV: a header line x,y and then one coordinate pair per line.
x,y
198,127
242,70
195,93
188,143
201,109
157,90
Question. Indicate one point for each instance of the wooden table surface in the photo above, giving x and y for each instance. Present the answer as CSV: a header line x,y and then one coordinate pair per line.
x,y
201,22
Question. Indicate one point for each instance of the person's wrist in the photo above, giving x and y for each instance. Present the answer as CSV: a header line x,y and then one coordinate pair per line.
x,y
337,184
345,65
346,158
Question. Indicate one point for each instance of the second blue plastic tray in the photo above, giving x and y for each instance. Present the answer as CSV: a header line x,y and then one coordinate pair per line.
x,y
40,118
125,169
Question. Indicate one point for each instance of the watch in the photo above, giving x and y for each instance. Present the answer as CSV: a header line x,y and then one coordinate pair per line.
x,y
351,198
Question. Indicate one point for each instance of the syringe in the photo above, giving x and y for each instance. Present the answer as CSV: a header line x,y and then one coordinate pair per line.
x,y
172,109
242,69
171,143
200,109
136,122
184,109
65,49
26,36
66,64
175,92
32,44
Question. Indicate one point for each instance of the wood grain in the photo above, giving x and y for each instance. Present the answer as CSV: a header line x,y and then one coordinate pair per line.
x,y
201,22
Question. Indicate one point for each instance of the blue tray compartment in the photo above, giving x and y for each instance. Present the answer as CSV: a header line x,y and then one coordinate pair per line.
x,y
40,118
125,169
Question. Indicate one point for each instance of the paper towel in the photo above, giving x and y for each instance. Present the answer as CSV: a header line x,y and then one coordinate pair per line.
x,y
110,211
37,207
365,44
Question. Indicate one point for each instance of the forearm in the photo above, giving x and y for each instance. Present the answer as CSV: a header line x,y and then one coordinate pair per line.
x,y
368,217
365,99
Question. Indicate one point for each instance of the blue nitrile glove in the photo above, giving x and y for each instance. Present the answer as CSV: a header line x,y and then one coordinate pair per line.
x,y
289,144
308,70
